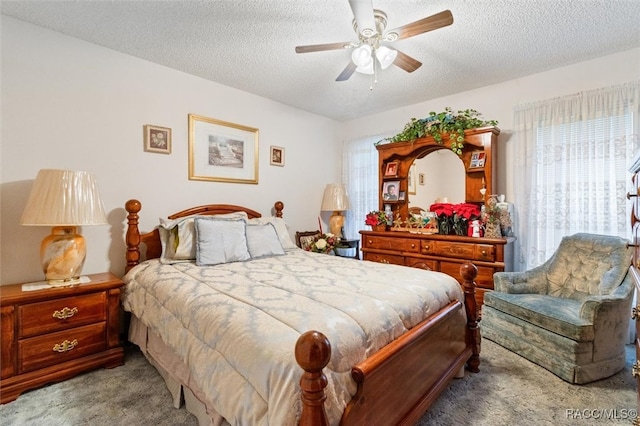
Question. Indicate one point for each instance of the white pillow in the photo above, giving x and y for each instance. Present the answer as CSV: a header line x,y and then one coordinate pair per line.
x,y
281,229
179,240
263,241
220,241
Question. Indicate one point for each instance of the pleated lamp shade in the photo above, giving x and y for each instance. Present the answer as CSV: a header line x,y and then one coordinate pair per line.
x,y
335,199
64,200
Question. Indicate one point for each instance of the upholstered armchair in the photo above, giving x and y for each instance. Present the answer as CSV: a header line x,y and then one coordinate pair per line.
x,y
569,315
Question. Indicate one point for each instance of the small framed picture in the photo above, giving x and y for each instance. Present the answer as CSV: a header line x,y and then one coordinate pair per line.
x,y
392,169
390,190
477,160
157,139
420,178
277,156
401,196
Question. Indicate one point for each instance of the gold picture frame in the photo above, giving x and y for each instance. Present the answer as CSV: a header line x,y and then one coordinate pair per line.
x,y
157,139
220,151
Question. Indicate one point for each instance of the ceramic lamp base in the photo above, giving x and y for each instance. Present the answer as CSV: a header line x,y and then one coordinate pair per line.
x,y
62,256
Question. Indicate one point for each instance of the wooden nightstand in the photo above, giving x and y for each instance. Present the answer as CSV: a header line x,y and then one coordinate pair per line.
x,y
52,334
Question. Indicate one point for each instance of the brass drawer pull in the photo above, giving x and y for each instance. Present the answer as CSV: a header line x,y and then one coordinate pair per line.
x,y
65,346
384,261
65,313
635,313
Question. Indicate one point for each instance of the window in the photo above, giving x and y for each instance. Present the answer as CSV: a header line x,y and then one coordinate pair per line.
x,y
571,164
360,175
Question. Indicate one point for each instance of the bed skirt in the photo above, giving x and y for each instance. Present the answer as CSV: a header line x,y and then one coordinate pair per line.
x,y
175,373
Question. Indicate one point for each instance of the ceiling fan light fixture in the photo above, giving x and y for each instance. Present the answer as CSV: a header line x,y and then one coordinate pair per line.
x,y
366,69
361,56
386,56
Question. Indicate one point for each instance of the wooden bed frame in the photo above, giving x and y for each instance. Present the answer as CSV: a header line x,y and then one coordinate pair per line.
x,y
397,384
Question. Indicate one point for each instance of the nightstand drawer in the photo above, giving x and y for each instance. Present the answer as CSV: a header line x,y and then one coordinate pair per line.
x,y
39,352
60,314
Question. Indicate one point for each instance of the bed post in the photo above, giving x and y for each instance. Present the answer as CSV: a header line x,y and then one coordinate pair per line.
x,y
278,206
313,352
469,271
133,234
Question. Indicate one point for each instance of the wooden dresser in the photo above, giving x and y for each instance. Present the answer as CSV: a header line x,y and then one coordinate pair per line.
x,y
52,334
441,253
634,198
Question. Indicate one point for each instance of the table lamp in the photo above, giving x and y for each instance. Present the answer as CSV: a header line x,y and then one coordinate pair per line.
x,y
335,199
64,200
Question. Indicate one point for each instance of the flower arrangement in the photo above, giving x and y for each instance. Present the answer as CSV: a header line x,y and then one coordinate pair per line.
x,y
323,243
446,122
376,217
453,219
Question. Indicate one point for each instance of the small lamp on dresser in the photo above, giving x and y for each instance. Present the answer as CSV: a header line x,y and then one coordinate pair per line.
x,y
335,199
64,200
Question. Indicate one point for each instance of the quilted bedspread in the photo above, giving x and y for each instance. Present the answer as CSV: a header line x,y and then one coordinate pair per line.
x,y
236,324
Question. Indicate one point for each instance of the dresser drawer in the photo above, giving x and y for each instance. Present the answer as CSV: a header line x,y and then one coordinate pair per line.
x,y
414,262
39,352
484,279
398,244
485,252
60,314
384,258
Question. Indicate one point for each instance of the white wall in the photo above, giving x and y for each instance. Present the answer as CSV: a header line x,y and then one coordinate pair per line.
x,y
70,104
496,102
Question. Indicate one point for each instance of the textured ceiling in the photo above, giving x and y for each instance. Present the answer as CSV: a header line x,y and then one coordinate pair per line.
x,y
249,45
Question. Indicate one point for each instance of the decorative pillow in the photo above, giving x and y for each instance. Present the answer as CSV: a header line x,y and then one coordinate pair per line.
x,y
179,240
307,240
220,240
262,240
281,229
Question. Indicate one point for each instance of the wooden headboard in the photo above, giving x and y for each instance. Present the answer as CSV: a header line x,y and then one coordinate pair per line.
x,y
151,240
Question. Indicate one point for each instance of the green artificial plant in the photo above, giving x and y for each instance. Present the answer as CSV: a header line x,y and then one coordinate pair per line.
x,y
446,122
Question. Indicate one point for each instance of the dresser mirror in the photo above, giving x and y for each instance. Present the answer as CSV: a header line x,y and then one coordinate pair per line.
x,y
425,170
439,174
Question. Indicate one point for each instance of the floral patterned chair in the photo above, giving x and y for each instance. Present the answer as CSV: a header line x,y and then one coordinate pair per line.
x,y
569,315
305,238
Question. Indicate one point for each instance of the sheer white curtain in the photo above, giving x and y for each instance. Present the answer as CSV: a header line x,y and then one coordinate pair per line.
x,y
360,176
571,161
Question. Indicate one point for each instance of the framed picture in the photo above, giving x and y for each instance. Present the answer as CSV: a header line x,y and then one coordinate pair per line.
x,y
222,152
157,139
477,160
392,169
276,155
420,178
390,190
412,179
401,196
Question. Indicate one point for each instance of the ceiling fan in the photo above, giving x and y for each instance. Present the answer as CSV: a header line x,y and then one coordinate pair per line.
x,y
370,49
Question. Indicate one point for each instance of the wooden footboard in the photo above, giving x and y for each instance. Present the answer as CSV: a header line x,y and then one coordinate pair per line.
x,y
401,381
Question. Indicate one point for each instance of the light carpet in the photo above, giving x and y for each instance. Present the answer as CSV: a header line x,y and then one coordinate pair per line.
x,y
509,390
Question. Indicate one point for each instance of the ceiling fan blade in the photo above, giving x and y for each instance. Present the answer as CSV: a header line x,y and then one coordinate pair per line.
x,y
363,14
347,72
406,62
321,47
424,25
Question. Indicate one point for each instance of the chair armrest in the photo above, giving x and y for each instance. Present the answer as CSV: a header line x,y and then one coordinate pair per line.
x,y
533,281
618,301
